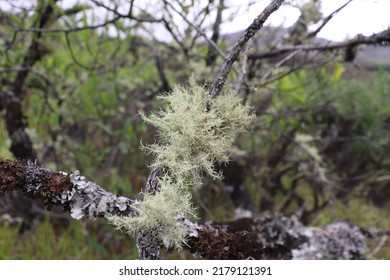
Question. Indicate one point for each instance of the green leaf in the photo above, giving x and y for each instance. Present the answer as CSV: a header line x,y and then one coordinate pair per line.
x,y
337,73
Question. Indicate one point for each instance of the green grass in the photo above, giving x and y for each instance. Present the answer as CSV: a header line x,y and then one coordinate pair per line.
x,y
77,241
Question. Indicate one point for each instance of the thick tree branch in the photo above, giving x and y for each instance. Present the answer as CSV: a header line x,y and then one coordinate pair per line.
x,y
211,55
258,23
277,237
76,194
263,236
21,145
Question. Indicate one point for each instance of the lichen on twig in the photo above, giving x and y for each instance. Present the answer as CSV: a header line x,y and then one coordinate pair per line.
x,y
196,131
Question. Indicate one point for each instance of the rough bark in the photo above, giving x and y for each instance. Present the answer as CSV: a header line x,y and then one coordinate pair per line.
x,y
262,236
16,122
77,195
277,237
147,243
211,53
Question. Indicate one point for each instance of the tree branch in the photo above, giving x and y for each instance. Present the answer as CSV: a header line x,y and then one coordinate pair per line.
x,y
326,20
21,145
209,41
382,38
280,237
258,23
72,191
148,245
211,55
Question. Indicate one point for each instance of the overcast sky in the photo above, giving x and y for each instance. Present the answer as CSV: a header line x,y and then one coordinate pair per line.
x,y
360,16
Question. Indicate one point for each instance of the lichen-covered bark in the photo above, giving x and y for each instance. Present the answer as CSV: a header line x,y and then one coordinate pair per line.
x,y
72,191
277,237
263,236
147,243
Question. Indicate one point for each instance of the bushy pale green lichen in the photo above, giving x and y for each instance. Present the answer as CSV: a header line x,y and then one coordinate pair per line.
x,y
161,213
196,131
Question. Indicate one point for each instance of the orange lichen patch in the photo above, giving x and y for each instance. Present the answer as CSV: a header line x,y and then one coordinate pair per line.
x,y
11,175
58,183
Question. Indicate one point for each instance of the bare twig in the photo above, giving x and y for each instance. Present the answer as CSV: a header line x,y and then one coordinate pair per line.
x,y
211,56
277,65
258,23
201,32
129,15
241,75
165,87
326,20
175,34
58,30
378,247
375,233
382,38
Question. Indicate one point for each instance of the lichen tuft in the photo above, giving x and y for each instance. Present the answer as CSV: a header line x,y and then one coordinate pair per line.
x,y
196,131
161,213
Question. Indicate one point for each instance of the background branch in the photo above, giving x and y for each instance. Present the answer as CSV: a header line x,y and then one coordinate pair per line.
x,y
381,39
327,19
225,68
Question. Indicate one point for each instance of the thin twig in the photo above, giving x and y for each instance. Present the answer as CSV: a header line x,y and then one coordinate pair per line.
x,y
258,23
277,65
326,20
201,32
58,30
73,56
382,38
211,56
241,75
378,247
128,15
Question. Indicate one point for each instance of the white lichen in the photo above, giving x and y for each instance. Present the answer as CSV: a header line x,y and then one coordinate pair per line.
x,y
195,133
89,199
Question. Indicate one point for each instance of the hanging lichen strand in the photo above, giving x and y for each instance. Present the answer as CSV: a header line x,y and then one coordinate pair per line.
x,y
195,132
